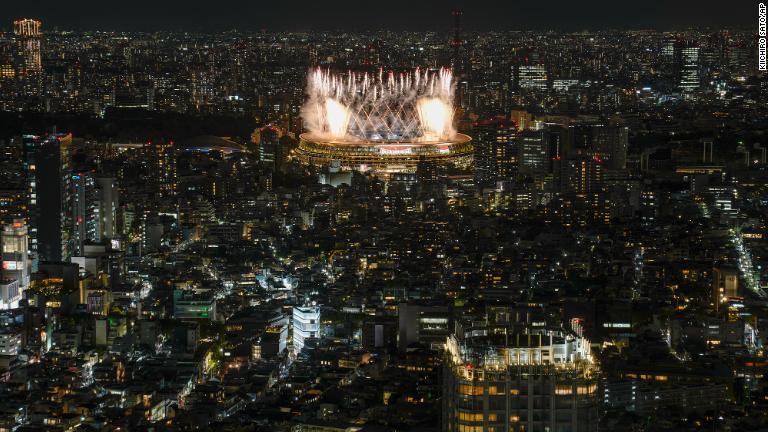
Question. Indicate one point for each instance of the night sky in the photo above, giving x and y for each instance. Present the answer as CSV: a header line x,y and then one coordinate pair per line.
x,y
218,15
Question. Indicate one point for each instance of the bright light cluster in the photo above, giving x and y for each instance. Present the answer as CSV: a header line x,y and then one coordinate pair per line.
x,y
413,107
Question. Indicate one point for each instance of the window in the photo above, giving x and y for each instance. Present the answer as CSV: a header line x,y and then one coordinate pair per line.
x,y
470,390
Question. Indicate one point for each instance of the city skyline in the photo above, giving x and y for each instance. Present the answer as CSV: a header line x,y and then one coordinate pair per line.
x,y
383,231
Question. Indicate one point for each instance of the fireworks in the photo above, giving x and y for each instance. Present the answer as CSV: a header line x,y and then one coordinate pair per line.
x,y
413,107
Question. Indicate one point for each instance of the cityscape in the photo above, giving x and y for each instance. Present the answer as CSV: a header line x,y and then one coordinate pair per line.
x,y
460,229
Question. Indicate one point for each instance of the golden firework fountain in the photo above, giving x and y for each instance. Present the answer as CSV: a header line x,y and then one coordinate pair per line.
x,y
384,123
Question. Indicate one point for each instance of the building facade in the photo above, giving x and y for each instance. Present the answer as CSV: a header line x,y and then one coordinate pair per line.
x,y
507,379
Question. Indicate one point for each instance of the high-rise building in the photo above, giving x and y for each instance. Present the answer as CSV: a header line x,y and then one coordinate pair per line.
x,y
530,72
581,174
269,144
108,203
688,67
15,263
27,32
13,201
610,143
47,170
164,154
532,77
504,377
496,151
306,325
85,210
534,152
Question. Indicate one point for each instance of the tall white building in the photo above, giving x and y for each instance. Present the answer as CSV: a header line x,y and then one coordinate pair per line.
x,y
532,77
689,68
306,325
16,267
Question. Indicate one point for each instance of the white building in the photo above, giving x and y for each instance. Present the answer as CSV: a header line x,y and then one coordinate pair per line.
x,y
16,266
532,77
306,325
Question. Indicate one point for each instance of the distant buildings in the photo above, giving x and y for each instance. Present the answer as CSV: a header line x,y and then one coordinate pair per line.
x,y
27,32
148,284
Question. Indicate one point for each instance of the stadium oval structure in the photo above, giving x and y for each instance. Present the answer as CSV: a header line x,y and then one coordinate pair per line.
x,y
384,157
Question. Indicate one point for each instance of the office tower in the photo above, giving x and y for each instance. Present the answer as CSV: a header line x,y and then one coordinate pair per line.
x,y
534,152
530,73
46,164
605,141
15,263
532,77
85,210
688,68
108,202
306,325
507,377
610,143
496,152
557,137
13,197
27,32
269,144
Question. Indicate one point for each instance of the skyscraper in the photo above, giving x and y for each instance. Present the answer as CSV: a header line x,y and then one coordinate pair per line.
x,y
688,68
269,144
532,77
534,152
530,72
85,210
496,152
108,202
610,144
16,267
47,169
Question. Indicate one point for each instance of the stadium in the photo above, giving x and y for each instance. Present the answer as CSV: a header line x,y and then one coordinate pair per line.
x,y
383,123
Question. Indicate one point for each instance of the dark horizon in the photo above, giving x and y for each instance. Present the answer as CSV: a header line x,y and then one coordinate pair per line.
x,y
428,15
